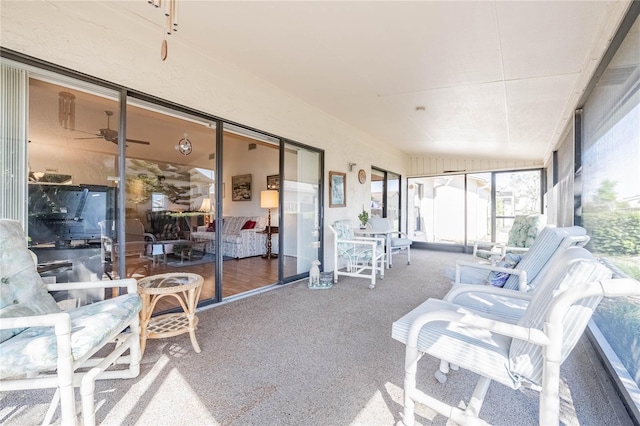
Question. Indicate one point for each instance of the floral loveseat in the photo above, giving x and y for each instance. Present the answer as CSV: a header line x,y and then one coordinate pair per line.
x,y
242,236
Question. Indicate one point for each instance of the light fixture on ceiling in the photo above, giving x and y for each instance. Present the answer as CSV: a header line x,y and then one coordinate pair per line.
x,y
171,12
67,110
184,146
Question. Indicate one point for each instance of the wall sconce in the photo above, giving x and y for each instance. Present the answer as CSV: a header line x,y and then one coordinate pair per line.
x,y
351,166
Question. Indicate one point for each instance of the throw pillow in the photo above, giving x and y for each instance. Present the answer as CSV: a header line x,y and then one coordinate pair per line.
x,y
211,227
250,224
497,279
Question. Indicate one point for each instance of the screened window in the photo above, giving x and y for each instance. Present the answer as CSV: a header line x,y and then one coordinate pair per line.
x,y
610,199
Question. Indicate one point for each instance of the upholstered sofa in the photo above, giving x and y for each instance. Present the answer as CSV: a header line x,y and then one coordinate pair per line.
x,y
242,236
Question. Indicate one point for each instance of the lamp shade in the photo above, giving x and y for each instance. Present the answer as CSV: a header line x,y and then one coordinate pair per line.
x,y
269,199
206,205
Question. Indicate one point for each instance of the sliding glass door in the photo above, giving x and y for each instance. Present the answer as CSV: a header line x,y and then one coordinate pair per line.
x,y
73,168
301,191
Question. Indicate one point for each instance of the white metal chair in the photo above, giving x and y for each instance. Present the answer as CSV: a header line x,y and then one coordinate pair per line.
x,y
396,241
522,234
42,346
364,256
523,353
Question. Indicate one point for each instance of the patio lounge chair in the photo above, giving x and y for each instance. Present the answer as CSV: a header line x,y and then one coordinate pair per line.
x,y
521,275
527,353
42,346
522,234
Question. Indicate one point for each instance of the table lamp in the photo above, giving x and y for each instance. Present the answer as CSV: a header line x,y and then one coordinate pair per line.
x,y
269,200
206,208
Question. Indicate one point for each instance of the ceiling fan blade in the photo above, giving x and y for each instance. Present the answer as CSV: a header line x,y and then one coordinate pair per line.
x,y
89,133
95,137
139,141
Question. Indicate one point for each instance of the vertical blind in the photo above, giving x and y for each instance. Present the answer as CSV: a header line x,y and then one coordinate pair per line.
x,y
13,151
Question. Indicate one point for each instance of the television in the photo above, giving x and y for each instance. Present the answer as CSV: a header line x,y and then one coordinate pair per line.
x,y
68,215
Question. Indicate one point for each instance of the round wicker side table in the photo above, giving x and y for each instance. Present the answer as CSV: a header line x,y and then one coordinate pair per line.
x,y
185,288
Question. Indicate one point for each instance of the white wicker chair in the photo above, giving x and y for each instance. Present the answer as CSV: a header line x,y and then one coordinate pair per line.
x,y
42,346
523,353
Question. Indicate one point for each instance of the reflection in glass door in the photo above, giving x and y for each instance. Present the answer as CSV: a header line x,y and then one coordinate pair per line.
x,y
385,195
301,201
377,193
247,220
170,182
393,199
73,158
478,207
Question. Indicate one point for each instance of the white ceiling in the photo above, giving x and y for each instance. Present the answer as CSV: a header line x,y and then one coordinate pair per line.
x,y
497,79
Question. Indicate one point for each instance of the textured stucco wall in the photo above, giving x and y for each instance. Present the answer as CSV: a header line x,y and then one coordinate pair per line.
x,y
97,39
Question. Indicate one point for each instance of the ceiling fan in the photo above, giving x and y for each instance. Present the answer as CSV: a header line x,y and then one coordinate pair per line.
x,y
111,135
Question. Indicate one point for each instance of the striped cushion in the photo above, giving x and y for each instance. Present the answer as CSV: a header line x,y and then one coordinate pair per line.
x,y
400,242
498,306
541,251
472,349
576,267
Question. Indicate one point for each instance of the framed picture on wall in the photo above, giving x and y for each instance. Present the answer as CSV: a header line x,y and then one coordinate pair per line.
x,y
337,189
273,182
241,188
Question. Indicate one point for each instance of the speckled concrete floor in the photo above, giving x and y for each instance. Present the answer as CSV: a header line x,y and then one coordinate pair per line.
x,y
294,356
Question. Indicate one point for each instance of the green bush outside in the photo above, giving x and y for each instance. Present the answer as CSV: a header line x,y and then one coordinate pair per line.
x,y
615,235
613,232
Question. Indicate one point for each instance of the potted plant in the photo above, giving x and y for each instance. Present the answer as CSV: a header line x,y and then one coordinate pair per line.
x,y
364,218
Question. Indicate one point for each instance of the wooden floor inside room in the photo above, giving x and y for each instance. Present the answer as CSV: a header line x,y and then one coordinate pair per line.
x,y
238,275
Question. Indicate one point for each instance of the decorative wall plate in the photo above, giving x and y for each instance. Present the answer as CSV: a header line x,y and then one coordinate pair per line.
x,y
362,176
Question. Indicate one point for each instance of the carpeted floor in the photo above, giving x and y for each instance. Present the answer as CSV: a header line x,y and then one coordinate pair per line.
x,y
294,356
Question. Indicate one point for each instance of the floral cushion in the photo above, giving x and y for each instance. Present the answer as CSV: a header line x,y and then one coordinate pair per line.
x,y
22,291
357,253
525,229
91,327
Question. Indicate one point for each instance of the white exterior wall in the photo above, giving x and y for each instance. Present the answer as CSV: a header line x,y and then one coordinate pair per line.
x,y
127,53
90,37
